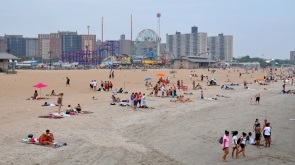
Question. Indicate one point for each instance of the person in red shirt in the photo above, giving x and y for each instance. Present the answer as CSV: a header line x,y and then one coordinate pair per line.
x,y
135,96
46,138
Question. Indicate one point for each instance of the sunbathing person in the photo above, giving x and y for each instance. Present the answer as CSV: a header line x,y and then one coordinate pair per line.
x,y
120,90
115,99
228,88
177,99
78,108
183,99
34,97
198,86
46,104
218,95
69,109
46,138
53,93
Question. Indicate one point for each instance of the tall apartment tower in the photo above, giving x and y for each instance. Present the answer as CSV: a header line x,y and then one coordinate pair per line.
x,y
124,45
292,55
183,44
31,47
92,42
202,44
16,45
221,47
70,41
44,45
3,44
55,45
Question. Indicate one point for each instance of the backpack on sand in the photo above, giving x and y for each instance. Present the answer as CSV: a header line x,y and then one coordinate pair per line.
x,y
220,140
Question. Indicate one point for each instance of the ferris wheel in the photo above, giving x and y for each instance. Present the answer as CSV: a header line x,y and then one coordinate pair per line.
x,y
147,44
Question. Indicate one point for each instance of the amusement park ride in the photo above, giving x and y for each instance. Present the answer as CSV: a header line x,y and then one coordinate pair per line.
x,y
146,48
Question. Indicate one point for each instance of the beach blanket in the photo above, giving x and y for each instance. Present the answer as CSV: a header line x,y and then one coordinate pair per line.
x,y
56,144
86,112
49,105
210,98
49,116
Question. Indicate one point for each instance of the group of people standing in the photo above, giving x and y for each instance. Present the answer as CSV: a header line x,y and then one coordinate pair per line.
x,y
138,99
104,86
238,145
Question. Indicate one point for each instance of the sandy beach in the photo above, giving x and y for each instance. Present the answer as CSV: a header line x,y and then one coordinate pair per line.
x,y
172,133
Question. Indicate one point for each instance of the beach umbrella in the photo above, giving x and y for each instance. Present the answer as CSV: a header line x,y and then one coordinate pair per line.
x,y
147,79
160,74
40,86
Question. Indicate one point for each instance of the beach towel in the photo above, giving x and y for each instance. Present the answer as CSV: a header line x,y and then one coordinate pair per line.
x,y
50,116
56,144
188,93
86,112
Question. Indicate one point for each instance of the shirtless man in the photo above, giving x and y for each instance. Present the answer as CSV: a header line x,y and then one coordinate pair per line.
x,y
257,135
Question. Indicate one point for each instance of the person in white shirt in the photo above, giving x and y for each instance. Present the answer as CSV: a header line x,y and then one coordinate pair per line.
x,y
266,132
94,85
250,139
163,90
235,143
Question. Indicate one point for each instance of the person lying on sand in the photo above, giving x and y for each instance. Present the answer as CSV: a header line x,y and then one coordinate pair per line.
x,y
46,104
219,95
146,107
198,86
181,99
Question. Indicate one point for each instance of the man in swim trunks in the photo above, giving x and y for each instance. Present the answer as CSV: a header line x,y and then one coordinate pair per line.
x,y
257,134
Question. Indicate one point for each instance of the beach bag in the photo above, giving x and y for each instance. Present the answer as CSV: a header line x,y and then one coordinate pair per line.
x,y
239,141
220,140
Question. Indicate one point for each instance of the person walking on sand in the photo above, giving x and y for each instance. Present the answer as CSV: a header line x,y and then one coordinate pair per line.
x,y
257,96
235,145
68,82
243,144
59,101
225,145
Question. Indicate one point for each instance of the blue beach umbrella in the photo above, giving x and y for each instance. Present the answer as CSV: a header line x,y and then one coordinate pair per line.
x,y
146,79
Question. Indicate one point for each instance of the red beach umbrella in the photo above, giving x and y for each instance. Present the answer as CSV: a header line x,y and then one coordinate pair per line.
x,y
39,86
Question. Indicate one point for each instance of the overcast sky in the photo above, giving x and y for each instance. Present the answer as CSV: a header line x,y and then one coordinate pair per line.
x,y
260,28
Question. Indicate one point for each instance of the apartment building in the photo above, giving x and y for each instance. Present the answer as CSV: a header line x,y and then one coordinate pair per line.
x,y
183,44
31,47
221,47
292,55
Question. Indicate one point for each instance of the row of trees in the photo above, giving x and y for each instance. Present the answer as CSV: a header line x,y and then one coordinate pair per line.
x,y
263,62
